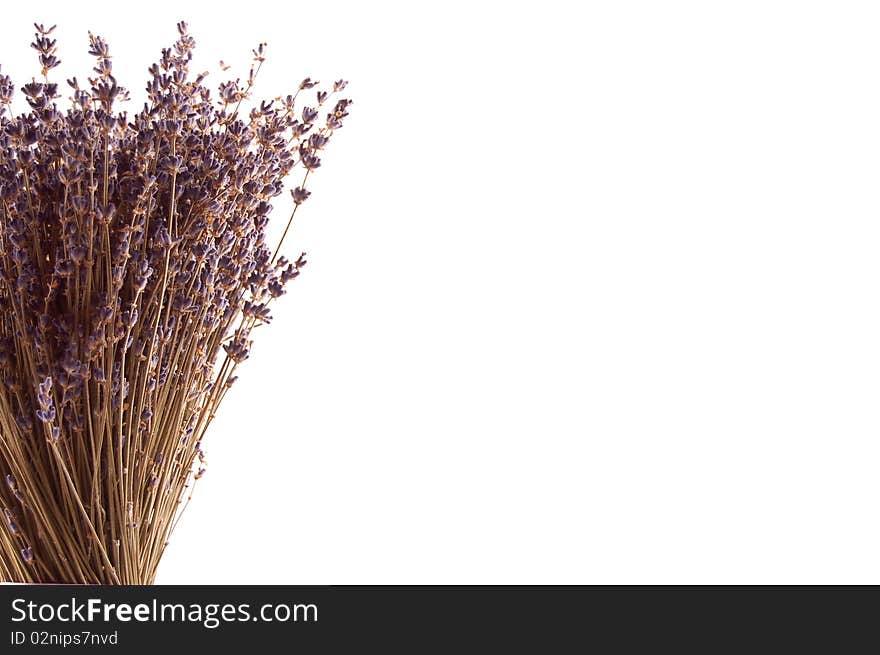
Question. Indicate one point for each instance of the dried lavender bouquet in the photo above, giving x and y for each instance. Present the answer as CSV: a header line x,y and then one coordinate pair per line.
x,y
133,268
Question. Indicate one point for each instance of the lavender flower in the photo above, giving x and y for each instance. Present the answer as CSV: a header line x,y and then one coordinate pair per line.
x,y
46,411
300,195
134,267
10,521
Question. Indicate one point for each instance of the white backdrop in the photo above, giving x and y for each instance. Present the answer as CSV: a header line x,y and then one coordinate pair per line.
x,y
591,295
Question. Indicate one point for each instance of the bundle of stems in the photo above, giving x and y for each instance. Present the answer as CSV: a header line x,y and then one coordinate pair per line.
x,y
133,269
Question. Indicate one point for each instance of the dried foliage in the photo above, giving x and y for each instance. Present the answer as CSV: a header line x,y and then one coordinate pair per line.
x,y
133,269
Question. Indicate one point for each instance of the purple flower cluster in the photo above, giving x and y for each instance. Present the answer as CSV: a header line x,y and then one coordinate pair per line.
x,y
134,267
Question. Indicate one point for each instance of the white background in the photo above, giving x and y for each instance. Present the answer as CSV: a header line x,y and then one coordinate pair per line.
x,y
592,294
